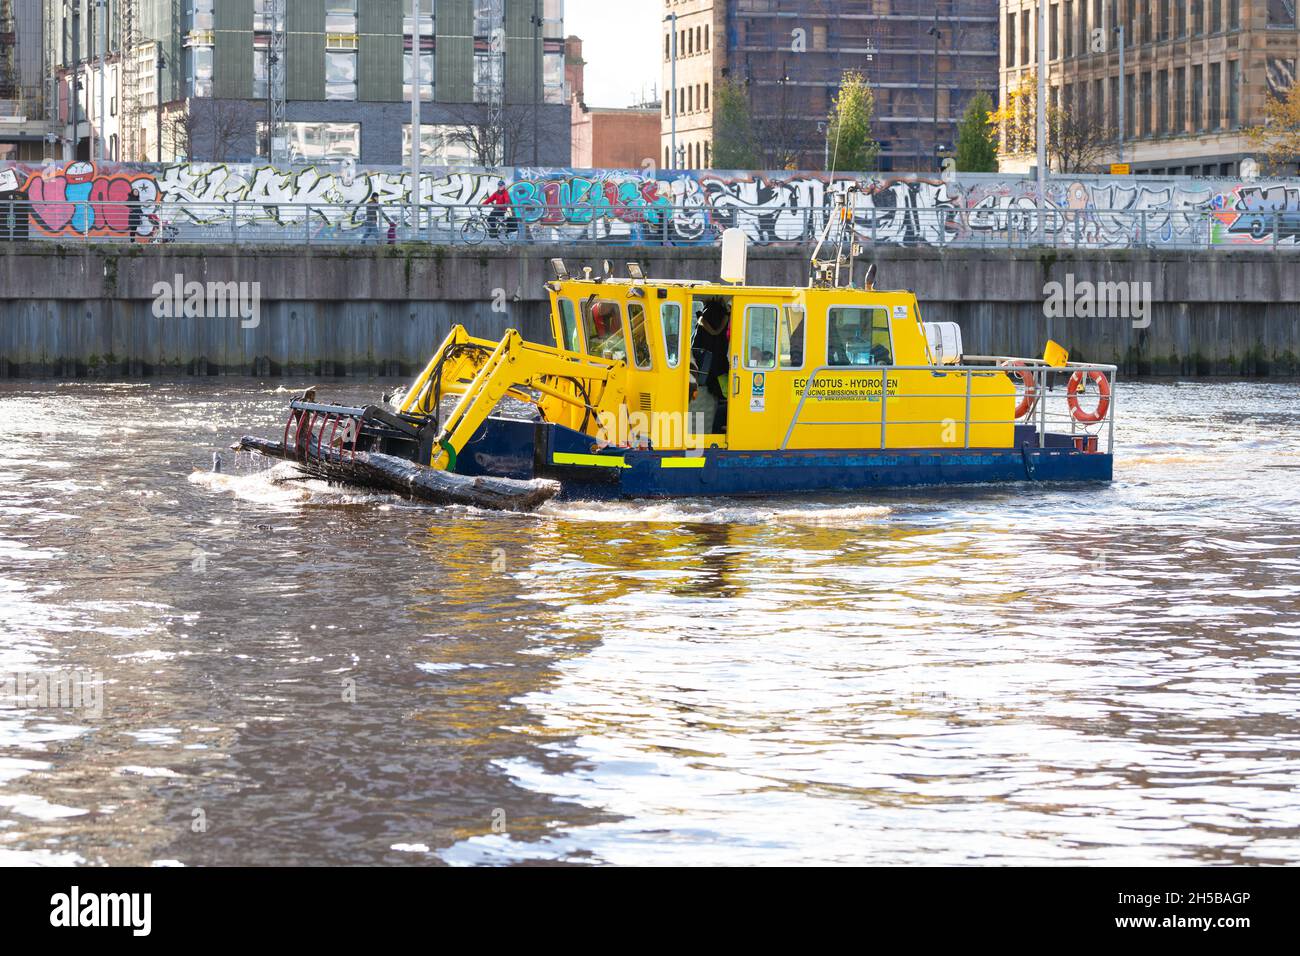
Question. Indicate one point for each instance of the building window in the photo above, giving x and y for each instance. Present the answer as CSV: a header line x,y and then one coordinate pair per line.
x,y
340,74
440,145
263,16
1068,29
341,16
426,76
1053,32
1024,43
1281,14
309,142
1234,16
1216,15
1130,107
1198,17
1112,113
203,19
261,73
1198,98
1145,128
201,80
1162,102
1216,93
1011,39
1180,100
1180,18
553,78
1234,93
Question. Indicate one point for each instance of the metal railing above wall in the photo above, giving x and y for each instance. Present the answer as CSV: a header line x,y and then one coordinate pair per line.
x,y
649,224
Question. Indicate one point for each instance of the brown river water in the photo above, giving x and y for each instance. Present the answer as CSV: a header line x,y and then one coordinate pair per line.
x,y
295,673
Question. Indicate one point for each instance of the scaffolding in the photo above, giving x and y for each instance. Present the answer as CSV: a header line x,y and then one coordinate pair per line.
x,y
8,52
128,91
276,135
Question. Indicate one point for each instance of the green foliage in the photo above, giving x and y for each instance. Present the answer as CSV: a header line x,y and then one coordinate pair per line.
x,y
853,149
977,150
734,143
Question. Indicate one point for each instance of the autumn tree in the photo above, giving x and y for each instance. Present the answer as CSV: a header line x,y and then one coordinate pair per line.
x,y
977,150
1015,123
1278,140
852,145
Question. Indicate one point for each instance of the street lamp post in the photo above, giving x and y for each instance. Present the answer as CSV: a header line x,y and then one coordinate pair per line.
x,y
1123,89
158,97
1042,118
935,32
101,25
537,74
76,78
417,133
672,108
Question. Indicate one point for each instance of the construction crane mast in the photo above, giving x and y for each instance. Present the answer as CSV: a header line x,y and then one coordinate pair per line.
x,y
129,108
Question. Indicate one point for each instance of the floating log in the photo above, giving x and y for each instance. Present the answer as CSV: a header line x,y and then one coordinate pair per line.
x,y
389,473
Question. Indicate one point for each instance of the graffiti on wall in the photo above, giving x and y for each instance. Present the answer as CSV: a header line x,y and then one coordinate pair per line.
x,y
216,201
77,199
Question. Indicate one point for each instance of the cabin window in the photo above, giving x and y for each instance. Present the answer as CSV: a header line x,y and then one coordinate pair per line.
x,y
602,327
775,337
760,342
859,337
670,317
568,327
790,352
640,336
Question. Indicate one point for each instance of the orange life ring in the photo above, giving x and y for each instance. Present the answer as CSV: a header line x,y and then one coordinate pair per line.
x,y
1103,401
1022,371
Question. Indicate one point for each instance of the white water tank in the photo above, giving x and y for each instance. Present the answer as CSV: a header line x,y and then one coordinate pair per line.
x,y
735,253
945,342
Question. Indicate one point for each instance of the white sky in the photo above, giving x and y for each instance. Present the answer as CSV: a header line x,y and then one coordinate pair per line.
x,y
620,42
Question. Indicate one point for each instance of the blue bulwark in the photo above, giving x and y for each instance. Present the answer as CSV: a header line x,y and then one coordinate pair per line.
x,y
571,457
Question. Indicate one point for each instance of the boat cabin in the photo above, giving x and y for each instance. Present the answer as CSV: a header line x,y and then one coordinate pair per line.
x,y
738,367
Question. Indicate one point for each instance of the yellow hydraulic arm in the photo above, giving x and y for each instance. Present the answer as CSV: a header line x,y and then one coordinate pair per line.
x,y
482,372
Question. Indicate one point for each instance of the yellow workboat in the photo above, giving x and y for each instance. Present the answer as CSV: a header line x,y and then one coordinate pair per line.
x,y
657,387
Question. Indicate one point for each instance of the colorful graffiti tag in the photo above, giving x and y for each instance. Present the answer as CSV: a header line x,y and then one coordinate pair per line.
x,y
216,201
79,200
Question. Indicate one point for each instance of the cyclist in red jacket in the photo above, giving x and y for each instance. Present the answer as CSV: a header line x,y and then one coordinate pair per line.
x,y
500,215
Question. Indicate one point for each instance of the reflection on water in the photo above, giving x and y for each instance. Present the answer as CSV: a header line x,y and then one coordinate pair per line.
x,y
300,673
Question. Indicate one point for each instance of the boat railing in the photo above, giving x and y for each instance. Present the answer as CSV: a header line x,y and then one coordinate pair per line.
x,y
1050,414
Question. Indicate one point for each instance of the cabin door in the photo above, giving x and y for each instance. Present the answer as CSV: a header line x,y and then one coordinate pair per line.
x,y
767,356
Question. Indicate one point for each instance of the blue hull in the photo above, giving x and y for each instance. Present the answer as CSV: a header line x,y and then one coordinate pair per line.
x,y
518,449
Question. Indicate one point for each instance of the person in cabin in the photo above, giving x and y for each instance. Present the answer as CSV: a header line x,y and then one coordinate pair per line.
x,y
713,336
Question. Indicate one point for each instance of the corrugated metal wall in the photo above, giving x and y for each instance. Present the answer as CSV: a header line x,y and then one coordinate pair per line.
x,y
305,50
380,50
521,53
454,77
232,52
